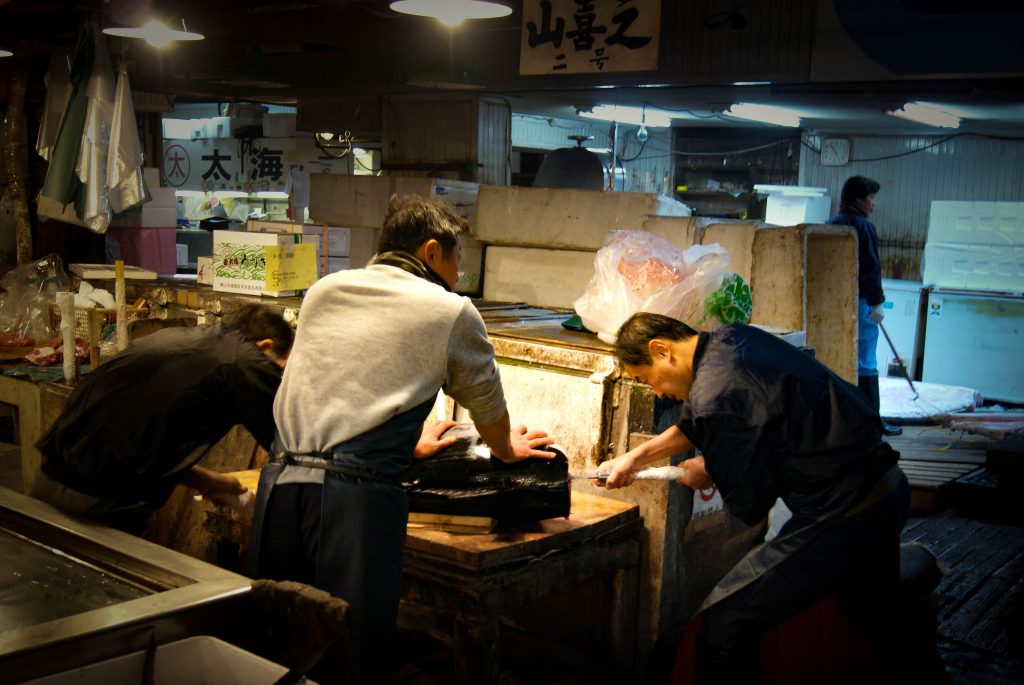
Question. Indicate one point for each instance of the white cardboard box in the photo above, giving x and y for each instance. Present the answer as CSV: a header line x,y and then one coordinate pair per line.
x,y
239,261
182,254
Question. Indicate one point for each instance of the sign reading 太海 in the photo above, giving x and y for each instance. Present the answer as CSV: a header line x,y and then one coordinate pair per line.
x,y
589,36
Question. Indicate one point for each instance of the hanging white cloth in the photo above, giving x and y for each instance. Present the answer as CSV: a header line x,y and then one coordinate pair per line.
x,y
124,156
91,167
58,92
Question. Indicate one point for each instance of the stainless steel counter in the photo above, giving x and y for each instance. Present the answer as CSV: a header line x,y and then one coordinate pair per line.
x,y
72,593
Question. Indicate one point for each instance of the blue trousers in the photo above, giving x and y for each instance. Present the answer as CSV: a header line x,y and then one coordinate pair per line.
x,y
867,341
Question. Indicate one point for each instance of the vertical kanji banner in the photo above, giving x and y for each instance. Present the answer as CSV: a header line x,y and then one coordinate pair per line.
x,y
589,36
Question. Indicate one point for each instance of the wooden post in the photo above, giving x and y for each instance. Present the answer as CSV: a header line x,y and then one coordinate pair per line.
x,y
15,164
96,319
66,302
121,304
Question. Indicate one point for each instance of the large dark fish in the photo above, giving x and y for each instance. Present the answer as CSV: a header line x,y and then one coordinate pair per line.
x,y
457,481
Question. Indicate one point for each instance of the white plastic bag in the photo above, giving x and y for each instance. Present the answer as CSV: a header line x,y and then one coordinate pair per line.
x,y
637,271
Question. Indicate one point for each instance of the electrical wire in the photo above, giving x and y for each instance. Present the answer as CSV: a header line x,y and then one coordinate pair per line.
x,y
940,141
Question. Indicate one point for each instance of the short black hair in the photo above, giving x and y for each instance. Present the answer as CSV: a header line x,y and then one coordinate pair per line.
x,y
258,322
413,220
857,187
640,329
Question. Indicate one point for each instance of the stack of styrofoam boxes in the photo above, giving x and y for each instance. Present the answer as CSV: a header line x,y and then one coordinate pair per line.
x,y
332,242
541,242
147,235
360,203
975,246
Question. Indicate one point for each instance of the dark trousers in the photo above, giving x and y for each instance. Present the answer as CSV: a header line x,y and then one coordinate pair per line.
x,y
347,538
857,558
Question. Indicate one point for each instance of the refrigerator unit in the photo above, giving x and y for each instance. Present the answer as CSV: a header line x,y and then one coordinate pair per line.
x,y
976,340
903,307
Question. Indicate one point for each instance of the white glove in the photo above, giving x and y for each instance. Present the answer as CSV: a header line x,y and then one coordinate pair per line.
x,y
876,313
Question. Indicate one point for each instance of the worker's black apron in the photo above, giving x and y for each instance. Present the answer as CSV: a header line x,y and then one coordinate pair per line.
x,y
363,516
801,529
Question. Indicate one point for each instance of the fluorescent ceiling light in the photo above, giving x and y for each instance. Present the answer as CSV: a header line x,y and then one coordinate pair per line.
x,y
5,53
452,12
629,115
928,114
766,114
154,33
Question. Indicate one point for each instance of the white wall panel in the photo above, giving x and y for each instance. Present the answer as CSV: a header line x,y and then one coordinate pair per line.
x,y
961,168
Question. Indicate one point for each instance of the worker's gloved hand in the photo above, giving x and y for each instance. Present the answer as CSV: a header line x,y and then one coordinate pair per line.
x,y
876,313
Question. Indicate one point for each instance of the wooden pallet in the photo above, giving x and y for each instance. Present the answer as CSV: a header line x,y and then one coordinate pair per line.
x,y
933,457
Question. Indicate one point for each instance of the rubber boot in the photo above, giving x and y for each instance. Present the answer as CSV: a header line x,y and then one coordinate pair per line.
x,y
869,386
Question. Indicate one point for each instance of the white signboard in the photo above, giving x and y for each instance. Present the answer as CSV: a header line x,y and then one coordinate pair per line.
x,y
589,36
260,165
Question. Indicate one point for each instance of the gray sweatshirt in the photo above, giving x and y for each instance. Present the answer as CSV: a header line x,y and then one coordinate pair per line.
x,y
375,342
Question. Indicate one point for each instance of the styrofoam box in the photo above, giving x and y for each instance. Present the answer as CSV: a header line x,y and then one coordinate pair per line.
x,y
976,223
786,210
199,659
337,238
537,276
974,267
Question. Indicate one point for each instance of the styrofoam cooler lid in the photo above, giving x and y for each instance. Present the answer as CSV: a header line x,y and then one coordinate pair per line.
x,y
198,659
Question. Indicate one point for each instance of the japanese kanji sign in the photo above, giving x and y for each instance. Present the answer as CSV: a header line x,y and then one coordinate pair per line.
x,y
223,164
589,36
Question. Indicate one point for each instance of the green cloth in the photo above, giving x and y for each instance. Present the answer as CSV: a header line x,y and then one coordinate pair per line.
x,y
53,373
62,183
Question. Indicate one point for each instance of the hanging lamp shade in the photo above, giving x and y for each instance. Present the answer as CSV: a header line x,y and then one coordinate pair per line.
x,y
571,167
153,32
5,53
452,12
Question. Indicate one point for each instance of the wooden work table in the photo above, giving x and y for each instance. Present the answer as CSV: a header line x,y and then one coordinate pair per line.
x,y
466,589
463,589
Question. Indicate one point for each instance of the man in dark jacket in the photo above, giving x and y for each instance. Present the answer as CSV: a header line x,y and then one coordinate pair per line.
x,y
772,422
135,427
855,206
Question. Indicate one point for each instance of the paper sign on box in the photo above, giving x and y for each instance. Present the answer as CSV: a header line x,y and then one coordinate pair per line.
x,y
290,267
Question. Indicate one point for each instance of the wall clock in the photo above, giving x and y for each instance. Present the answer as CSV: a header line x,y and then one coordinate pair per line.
x,y
835,151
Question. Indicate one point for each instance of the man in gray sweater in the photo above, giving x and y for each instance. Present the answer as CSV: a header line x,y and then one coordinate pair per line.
x,y
373,348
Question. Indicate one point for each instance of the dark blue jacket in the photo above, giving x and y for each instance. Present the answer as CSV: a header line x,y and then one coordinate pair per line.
x,y
870,281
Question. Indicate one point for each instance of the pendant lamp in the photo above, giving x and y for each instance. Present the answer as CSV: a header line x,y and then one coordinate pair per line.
x,y
453,12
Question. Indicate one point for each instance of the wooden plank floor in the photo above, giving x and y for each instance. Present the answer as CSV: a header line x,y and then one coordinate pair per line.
x,y
980,600
932,457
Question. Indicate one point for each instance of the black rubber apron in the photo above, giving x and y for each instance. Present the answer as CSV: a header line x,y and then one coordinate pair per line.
x,y
363,516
